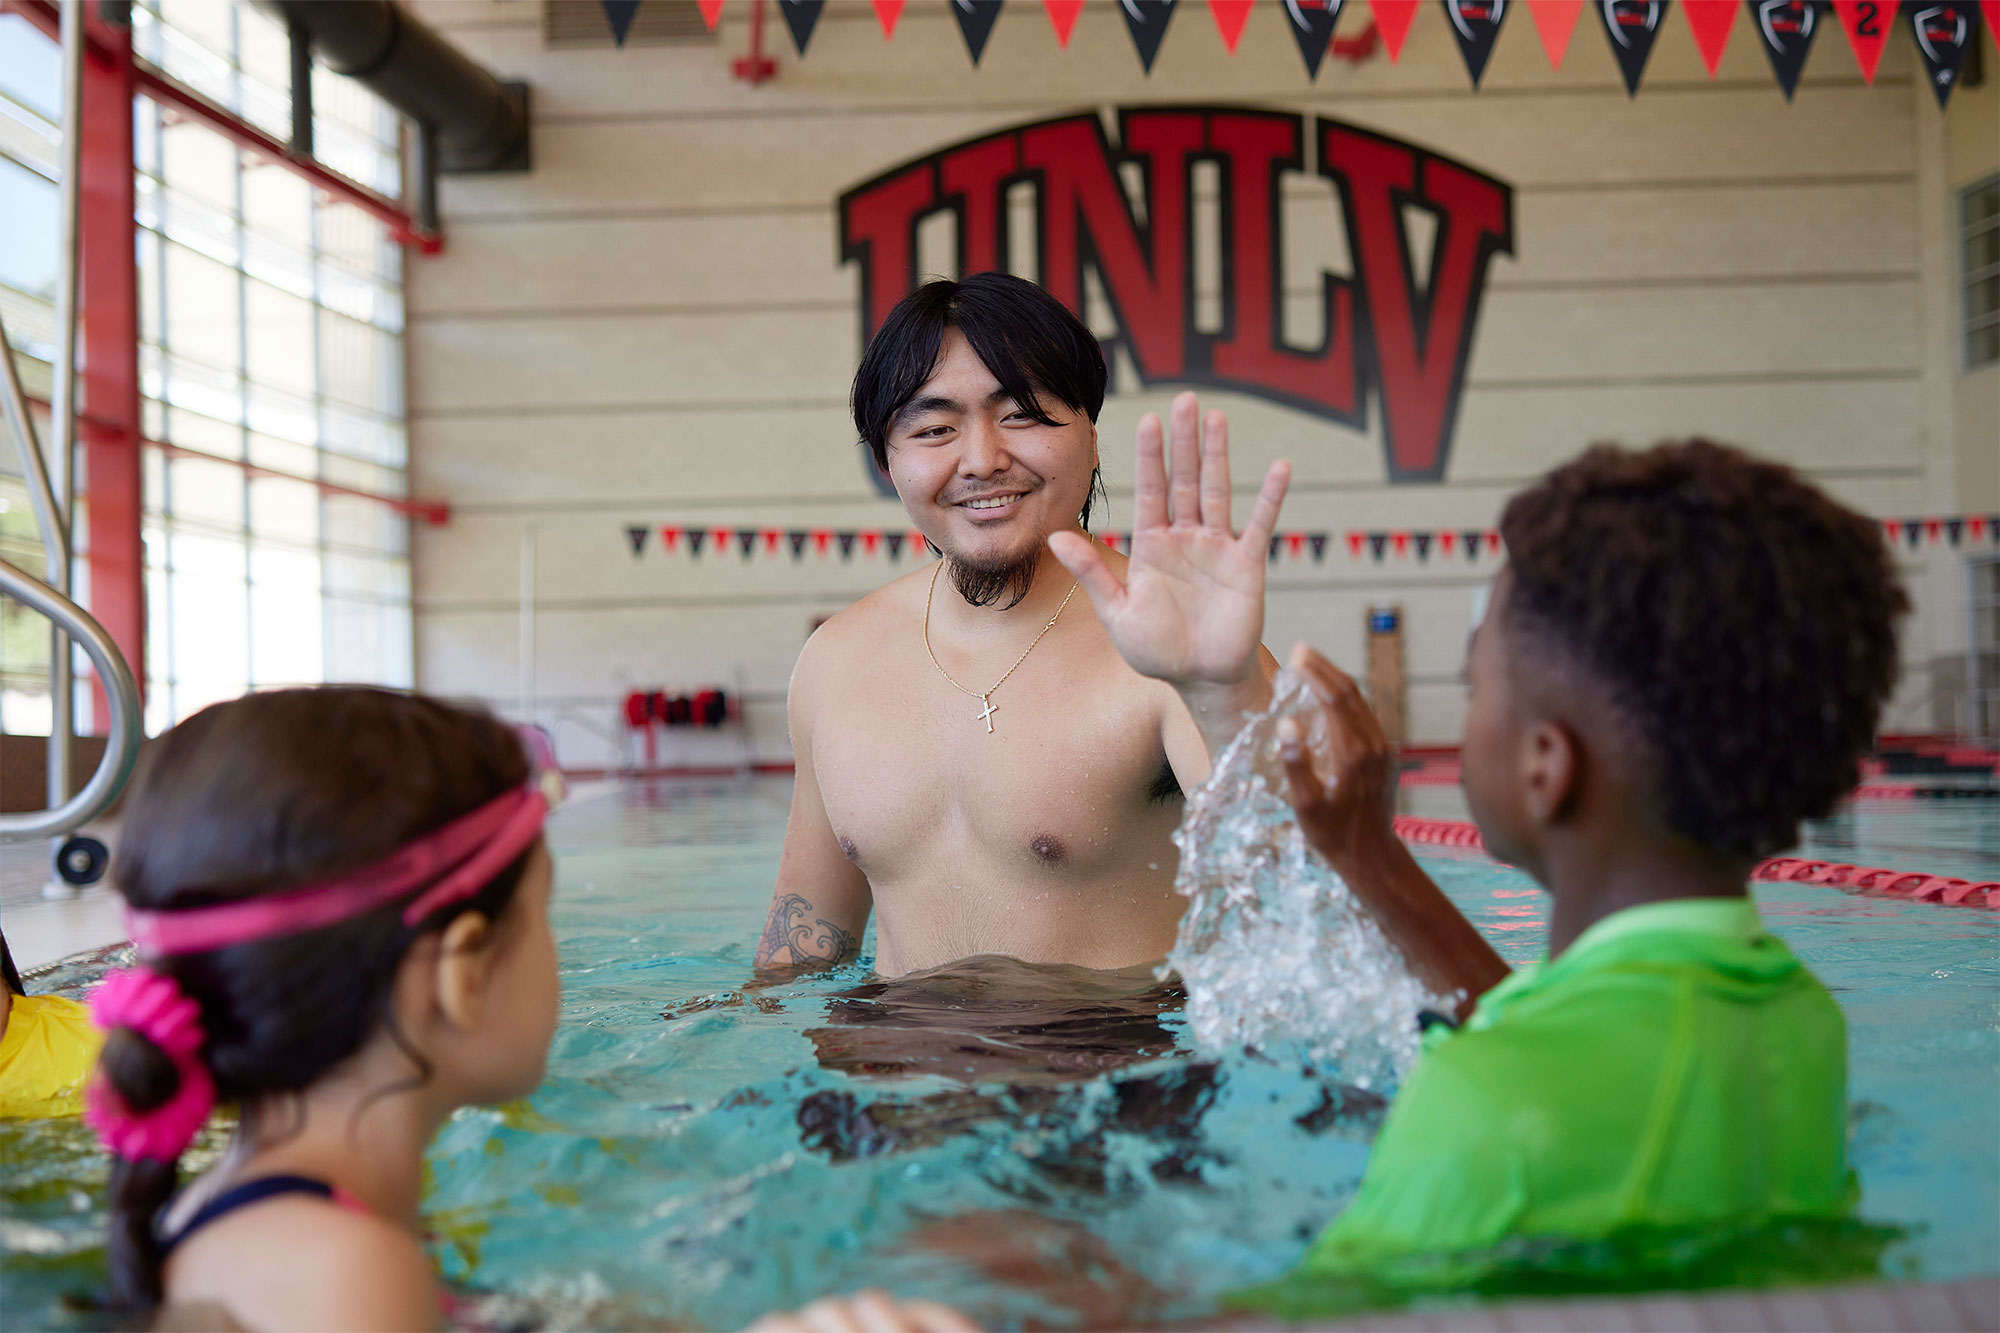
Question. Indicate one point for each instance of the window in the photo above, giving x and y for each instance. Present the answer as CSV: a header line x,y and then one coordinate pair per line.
x,y
1979,255
271,365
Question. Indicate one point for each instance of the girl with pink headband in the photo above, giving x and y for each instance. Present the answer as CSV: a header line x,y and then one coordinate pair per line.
x,y
339,899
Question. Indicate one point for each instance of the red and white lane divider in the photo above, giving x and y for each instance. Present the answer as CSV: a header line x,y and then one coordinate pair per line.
x,y
1914,885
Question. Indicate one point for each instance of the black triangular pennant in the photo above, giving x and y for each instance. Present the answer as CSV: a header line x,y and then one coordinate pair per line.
x,y
975,22
1318,543
636,534
797,537
1376,541
1913,532
1423,541
619,14
1632,25
1147,20
894,541
846,540
1954,529
1275,543
1470,538
801,16
746,539
1944,30
1786,28
1311,22
1476,25
696,536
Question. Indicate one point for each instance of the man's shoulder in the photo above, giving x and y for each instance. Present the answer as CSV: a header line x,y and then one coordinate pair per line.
x,y
851,639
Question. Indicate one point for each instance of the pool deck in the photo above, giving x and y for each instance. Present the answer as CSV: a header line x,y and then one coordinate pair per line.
x,y
1970,1306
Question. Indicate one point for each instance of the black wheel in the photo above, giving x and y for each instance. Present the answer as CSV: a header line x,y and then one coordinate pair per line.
x,y
82,860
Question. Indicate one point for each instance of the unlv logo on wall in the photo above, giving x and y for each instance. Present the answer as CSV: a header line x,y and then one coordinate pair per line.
x,y
1386,328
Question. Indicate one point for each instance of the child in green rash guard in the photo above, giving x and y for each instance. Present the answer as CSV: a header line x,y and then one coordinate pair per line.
x,y
1684,657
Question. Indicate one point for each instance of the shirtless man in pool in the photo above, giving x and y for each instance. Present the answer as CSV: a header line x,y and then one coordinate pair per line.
x,y
977,762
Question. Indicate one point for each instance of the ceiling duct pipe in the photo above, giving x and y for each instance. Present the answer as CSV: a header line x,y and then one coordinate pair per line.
x,y
477,122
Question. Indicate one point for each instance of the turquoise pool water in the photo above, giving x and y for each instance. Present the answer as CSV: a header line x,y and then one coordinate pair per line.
x,y
702,1151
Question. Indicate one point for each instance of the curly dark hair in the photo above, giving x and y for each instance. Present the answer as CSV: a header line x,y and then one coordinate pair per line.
x,y
1743,621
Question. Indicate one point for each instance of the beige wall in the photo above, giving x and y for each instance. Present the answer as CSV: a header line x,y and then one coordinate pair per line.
x,y
654,326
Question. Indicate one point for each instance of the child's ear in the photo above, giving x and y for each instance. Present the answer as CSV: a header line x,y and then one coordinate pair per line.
x,y
1549,770
464,967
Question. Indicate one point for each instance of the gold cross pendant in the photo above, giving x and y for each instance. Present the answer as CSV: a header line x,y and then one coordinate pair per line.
x,y
987,716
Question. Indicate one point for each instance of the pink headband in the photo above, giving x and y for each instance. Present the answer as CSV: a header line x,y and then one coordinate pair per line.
x,y
455,862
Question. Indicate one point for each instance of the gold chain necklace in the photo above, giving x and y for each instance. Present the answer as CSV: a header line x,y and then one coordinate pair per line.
x,y
986,697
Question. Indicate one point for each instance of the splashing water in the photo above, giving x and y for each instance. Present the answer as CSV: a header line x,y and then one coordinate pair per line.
x,y
1275,950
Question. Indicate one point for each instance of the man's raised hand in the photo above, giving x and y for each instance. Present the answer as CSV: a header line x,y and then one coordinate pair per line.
x,y
1190,609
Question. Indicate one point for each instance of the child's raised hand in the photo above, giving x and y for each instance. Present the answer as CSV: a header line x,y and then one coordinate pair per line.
x,y
1353,815
867,1312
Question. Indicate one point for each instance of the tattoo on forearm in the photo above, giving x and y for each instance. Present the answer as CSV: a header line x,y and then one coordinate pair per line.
x,y
794,937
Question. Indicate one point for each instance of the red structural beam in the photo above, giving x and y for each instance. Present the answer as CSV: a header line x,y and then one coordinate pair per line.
x,y
435,512
155,83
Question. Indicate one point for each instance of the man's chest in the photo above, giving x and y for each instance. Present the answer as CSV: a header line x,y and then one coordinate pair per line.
x,y
1055,771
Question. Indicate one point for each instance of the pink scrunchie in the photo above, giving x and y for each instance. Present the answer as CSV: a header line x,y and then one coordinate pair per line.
x,y
153,1006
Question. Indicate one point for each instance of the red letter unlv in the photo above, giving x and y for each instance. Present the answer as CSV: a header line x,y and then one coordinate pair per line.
x,y
1406,335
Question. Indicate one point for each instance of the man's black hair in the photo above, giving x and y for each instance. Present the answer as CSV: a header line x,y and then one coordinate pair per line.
x,y
1028,339
1744,623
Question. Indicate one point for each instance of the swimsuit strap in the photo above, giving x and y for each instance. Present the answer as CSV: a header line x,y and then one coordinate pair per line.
x,y
256,1191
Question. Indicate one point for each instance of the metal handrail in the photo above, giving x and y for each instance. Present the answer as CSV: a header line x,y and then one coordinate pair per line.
x,y
121,751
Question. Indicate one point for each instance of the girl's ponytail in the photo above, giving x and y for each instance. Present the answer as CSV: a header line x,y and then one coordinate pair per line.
x,y
150,1098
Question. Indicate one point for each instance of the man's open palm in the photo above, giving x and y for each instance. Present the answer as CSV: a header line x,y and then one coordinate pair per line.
x,y
1191,605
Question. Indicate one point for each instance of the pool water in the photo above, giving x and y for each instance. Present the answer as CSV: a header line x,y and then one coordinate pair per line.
x,y
1038,1146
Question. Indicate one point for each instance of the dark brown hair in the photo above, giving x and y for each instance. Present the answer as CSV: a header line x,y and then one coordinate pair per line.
x,y
257,796
1743,621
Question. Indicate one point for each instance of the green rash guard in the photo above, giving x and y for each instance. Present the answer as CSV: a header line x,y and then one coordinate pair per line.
x,y
1675,1066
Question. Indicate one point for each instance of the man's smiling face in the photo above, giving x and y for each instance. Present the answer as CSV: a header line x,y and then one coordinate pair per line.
x,y
980,477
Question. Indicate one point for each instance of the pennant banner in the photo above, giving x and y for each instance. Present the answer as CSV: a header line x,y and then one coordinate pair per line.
x,y
1555,23
1311,23
1420,544
1711,21
1632,26
1062,17
1231,15
801,16
619,14
1147,21
1787,28
1867,23
887,12
1393,19
975,23
1476,25
1944,33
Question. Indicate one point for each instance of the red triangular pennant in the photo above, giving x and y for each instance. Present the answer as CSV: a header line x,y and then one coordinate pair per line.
x,y
1062,17
1392,20
1109,539
711,11
771,539
1445,538
888,12
1868,24
1991,9
1492,540
1933,527
1555,23
1354,540
820,539
1711,21
1894,530
1294,543
720,537
870,540
1401,541
1976,525
1230,16
670,539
